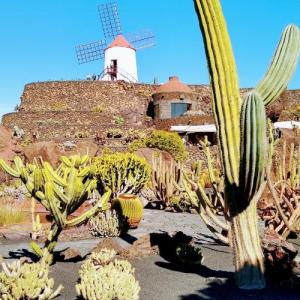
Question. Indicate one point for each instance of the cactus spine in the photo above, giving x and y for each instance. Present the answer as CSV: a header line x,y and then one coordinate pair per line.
x,y
243,161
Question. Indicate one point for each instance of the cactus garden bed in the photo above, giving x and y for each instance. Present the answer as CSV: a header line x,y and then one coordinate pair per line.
x,y
158,277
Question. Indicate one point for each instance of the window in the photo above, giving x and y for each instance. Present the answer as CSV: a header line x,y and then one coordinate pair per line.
x,y
178,109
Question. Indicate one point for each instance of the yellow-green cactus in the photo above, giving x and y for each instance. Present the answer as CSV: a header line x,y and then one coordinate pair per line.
x,y
107,281
109,223
61,191
122,172
27,281
242,132
131,207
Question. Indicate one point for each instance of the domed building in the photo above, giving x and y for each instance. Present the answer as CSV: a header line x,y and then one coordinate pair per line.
x,y
173,99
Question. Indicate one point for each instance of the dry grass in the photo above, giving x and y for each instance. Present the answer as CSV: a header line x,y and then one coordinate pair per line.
x,y
9,215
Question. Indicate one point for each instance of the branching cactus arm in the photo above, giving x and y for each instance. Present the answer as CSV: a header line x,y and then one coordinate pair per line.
x,y
282,67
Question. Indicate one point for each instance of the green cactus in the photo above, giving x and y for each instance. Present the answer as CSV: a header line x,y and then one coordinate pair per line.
x,y
102,278
122,172
61,191
27,281
241,150
253,146
282,67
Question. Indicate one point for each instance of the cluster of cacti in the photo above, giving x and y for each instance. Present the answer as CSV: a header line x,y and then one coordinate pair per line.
x,y
189,254
210,206
107,279
109,223
284,217
61,191
288,170
164,173
241,129
122,172
27,281
130,207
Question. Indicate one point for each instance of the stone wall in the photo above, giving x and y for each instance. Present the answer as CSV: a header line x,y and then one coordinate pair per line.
x,y
60,109
111,97
61,125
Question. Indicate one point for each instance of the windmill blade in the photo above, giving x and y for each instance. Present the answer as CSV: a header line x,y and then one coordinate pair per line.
x,y
141,39
110,20
90,52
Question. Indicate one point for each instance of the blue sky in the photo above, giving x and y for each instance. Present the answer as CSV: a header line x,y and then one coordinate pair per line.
x,y
38,39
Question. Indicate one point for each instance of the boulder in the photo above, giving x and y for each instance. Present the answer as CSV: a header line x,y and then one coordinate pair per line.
x,y
48,151
8,147
108,243
85,147
71,254
279,256
51,151
142,247
148,153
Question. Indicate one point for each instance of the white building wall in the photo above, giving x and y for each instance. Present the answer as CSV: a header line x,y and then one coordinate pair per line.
x,y
126,63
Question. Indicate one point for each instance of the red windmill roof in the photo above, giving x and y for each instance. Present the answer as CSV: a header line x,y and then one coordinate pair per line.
x,y
173,85
120,41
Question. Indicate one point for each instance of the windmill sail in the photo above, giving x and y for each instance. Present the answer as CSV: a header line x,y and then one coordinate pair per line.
x,y
90,52
110,20
142,39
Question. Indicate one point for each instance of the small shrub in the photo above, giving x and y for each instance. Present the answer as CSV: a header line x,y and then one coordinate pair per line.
x,y
102,278
98,108
81,134
163,140
122,172
119,120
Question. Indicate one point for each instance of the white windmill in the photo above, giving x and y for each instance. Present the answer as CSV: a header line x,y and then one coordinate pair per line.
x,y
117,50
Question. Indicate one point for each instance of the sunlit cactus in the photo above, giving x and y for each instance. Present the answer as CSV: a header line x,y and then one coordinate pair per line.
x,y
61,191
241,131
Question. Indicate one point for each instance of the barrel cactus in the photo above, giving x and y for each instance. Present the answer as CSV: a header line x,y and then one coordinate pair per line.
x,y
241,127
131,207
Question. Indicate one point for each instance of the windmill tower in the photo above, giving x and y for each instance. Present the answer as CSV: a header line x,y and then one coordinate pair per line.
x,y
117,50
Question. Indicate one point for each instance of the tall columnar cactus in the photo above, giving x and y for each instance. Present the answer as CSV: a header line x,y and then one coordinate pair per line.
x,y
164,173
241,132
61,191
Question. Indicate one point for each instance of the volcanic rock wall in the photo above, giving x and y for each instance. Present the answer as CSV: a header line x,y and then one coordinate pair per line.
x,y
63,109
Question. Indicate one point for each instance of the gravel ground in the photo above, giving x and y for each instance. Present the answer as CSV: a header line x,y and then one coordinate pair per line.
x,y
158,278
